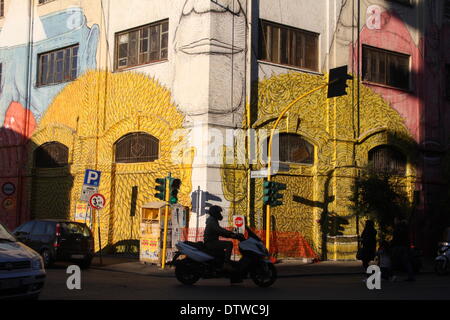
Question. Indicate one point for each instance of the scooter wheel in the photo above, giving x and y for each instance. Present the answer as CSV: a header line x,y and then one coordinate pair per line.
x,y
264,275
185,275
440,267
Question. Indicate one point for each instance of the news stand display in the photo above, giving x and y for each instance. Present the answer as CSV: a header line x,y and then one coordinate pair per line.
x,y
152,231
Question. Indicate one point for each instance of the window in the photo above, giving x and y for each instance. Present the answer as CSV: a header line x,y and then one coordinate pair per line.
x,y
386,159
58,66
293,148
447,81
447,9
142,45
40,228
136,147
407,2
386,67
51,155
289,46
25,228
2,8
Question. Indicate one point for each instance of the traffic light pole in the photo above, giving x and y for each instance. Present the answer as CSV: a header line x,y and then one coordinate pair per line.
x,y
269,157
166,218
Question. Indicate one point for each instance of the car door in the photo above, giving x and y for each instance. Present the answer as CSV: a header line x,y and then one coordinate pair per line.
x,y
23,232
38,237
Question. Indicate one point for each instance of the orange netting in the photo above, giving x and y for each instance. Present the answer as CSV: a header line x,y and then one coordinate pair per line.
x,y
282,244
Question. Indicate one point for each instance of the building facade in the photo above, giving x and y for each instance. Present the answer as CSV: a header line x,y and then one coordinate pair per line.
x,y
137,89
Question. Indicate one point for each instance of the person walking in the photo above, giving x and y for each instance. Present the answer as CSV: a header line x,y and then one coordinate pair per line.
x,y
400,247
368,244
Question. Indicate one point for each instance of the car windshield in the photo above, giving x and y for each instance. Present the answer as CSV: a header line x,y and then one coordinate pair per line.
x,y
5,234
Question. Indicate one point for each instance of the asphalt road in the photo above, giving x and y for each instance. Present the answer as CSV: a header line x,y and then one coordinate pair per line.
x,y
106,285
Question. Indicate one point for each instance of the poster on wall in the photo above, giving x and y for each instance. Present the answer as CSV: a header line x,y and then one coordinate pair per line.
x,y
82,213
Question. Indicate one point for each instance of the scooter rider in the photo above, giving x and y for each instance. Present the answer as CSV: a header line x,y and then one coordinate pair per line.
x,y
212,233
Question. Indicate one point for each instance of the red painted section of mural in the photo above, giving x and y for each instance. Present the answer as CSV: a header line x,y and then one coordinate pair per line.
x,y
13,137
393,35
423,108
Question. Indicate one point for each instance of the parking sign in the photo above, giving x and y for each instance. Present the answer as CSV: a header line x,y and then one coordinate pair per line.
x,y
92,178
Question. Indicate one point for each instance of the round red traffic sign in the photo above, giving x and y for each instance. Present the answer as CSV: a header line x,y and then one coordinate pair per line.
x,y
97,201
239,222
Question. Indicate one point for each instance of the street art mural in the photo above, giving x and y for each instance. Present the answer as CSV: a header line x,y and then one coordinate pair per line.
x,y
20,115
324,186
90,116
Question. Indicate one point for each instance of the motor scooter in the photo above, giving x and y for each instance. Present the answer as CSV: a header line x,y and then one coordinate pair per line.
x,y
193,261
442,261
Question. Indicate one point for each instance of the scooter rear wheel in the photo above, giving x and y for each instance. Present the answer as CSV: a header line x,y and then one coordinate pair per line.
x,y
185,274
441,267
264,275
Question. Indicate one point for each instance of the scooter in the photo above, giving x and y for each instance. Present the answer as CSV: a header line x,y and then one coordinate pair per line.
x,y
442,261
198,262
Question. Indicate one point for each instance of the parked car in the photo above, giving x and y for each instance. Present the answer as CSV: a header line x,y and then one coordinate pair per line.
x,y
22,272
58,240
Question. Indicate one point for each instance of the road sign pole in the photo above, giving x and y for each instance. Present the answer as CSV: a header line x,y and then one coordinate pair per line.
x,y
99,237
166,218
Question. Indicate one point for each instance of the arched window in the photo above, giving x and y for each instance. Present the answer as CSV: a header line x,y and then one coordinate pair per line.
x,y
136,147
51,155
388,159
293,148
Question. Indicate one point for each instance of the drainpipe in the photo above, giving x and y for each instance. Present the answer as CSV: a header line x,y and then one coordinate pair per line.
x,y
248,101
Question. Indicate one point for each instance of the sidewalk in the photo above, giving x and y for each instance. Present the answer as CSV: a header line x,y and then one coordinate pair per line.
x,y
286,268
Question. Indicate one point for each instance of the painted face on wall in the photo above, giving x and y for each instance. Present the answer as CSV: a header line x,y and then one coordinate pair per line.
x,y
210,61
19,79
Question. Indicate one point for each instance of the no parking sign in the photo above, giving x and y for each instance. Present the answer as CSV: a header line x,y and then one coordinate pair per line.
x,y
239,224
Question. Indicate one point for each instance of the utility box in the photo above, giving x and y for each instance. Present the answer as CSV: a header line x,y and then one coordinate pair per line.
x,y
152,231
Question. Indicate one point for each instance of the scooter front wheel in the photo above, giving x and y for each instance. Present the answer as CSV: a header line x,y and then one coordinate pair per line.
x,y
441,267
185,274
264,275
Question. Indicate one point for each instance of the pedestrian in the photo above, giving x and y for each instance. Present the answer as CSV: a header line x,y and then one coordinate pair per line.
x,y
385,262
400,247
368,244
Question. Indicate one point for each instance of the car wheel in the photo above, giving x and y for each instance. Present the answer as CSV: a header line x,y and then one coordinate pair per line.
x,y
86,263
47,257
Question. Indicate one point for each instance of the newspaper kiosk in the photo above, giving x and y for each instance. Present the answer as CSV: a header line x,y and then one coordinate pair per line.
x,y
152,231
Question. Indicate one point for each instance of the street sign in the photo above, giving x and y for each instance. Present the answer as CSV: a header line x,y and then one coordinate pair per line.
x,y
239,224
258,174
8,189
97,201
92,178
87,192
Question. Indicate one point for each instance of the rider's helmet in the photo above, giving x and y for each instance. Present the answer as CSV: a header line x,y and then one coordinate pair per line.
x,y
216,212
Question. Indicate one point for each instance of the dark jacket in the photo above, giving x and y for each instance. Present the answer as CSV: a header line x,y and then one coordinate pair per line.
x,y
213,231
400,237
369,243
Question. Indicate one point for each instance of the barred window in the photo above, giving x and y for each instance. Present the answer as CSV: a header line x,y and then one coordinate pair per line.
x,y
447,81
387,159
51,155
58,66
385,67
447,9
293,148
142,45
45,1
136,147
289,46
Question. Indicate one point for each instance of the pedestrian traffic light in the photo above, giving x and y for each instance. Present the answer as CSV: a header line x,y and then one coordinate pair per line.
x,y
174,186
272,197
161,188
337,82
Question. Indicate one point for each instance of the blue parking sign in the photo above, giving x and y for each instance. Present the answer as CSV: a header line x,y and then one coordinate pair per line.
x,y
92,178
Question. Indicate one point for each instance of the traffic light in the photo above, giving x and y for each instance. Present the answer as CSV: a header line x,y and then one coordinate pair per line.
x,y
174,185
337,82
161,188
272,197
